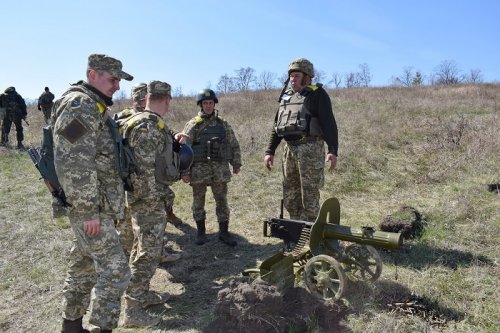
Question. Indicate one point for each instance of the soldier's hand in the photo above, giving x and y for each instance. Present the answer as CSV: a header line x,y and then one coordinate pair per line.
x,y
181,137
236,171
268,161
333,161
92,227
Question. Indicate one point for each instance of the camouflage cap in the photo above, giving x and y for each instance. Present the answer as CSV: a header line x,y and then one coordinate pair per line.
x,y
159,88
301,65
107,63
139,91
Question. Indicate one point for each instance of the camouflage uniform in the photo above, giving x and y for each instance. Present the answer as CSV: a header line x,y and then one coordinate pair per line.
x,y
45,102
148,138
304,156
84,159
124,226
211,172
15,113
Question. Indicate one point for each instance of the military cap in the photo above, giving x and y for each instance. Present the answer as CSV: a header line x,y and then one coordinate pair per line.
x,y
301,65
159,88
107,63
139,91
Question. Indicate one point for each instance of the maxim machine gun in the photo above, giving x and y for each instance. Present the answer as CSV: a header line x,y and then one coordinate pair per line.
x,y
312,250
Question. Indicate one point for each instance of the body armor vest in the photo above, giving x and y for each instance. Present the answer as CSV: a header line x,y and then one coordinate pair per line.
x,y
294,117
167,162
210,142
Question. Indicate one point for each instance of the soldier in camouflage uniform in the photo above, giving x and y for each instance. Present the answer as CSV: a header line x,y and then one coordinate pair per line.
x,y
305,120
152,142
15,112
215,147
84,158
45,102
124,226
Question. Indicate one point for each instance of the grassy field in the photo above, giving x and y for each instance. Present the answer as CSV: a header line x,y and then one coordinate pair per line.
x,y
435,149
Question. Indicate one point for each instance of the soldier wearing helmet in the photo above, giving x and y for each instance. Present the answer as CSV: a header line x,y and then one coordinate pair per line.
x,y
306,122
215,147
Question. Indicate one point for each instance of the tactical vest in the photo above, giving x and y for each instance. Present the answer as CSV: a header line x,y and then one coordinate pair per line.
x,y
167,162
294,117
210,142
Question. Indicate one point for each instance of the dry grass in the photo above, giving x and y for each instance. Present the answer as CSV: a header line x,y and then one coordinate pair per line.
x,y
431,148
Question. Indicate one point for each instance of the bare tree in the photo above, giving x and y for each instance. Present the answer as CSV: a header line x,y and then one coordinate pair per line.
x,y
364,75
266,80
474,76
226,84
244,78
336,79
319,76
447,72
418,80
405,79
352,80
177,92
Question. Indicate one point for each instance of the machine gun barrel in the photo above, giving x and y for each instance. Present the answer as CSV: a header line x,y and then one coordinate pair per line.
x,y
364,235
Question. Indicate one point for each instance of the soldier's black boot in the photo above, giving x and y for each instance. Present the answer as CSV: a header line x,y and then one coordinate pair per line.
x,y
20,145
73,326
201,237
224,235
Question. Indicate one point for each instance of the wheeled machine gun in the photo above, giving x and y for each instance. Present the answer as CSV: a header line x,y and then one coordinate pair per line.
x,y
312,250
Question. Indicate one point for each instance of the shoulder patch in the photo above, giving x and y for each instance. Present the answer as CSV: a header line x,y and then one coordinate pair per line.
x,y
73,131
101,107
197,119
75,104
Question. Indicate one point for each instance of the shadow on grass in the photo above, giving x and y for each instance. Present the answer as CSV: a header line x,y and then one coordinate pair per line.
x,y
421,256
392,297
202,271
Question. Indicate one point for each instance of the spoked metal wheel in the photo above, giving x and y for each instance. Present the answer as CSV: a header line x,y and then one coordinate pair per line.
x,y
324,277
363,262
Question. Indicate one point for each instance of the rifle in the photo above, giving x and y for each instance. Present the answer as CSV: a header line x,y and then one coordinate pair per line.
x,y
50,178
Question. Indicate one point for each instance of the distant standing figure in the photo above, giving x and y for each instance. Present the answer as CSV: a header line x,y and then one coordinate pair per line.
x,y
215,147
15,112
45,102
305,120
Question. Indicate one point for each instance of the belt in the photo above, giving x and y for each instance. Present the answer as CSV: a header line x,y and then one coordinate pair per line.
x,y
304,139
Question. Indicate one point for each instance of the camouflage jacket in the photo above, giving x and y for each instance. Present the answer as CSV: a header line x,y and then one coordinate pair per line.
x,y
14,104
148,140
84,155
212,171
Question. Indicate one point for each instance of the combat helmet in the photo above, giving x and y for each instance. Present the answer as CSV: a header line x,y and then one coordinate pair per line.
x,y
206,94
301,65
186,157
9,89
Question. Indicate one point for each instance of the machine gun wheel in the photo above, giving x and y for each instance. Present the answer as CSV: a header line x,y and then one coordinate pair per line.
x,y
362,262
324,277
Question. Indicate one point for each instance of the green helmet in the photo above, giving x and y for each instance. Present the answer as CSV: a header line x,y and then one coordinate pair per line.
x,y
301,65
206,94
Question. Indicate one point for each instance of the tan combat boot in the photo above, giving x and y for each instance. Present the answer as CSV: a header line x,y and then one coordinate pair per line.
x,y
135,315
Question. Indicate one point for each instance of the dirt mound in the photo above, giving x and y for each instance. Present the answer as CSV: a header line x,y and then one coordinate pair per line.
x,y
257,307
407,220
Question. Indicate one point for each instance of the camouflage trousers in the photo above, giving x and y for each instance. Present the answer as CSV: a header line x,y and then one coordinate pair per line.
x,y
219,191
95,262
303,177
46,112
124,226
7,124
148,224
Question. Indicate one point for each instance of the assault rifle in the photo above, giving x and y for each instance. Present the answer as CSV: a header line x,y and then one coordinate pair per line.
x,y
47,171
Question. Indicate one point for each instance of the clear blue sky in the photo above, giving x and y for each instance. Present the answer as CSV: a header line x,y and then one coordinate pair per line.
x,y
190,44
